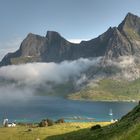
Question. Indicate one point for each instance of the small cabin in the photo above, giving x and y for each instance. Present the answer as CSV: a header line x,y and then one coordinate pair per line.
x,y
11,125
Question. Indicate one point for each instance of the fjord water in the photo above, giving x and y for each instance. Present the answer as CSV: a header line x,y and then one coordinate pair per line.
x,y
39,108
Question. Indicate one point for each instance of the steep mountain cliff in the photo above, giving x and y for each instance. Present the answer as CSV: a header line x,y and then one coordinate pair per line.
x,y
117,41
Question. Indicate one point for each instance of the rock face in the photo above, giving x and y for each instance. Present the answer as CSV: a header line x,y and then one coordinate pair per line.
x,y
126,38
123,40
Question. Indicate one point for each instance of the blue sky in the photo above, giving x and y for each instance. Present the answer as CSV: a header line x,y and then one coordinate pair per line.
x,y
73,19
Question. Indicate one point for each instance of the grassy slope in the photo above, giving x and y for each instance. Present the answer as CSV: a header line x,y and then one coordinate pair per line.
x,y
21,133
108,89
128,128
23,60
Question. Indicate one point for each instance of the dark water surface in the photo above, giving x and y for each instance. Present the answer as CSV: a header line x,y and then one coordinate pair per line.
x,y
52,107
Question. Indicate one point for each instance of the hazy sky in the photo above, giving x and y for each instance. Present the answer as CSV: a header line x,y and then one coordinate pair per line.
x,y
73,19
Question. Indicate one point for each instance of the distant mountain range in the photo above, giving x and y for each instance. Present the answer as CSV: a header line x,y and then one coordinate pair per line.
x,y
123,40
114,76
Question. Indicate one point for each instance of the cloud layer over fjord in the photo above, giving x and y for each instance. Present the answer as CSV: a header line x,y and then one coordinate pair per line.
x,y
38,73
19,82
26,77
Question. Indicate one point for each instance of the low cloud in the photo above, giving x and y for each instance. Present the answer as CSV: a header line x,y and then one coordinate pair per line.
x,y
38,73
12,93
19,82
129,67
24,79
77,40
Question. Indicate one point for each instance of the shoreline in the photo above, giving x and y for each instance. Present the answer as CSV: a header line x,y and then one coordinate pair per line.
x,y
88,100
20,124
91,120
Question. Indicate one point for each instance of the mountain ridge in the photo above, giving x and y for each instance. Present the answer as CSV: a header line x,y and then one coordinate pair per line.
x,y
123,40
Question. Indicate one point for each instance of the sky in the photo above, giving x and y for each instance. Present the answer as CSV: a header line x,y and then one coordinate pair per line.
x,y
73,19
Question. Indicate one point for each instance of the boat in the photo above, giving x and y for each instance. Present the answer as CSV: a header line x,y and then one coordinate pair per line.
x,y
110,112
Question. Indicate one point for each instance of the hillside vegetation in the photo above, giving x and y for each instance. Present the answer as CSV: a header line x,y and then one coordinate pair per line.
x,y
109,90
22,133
128,128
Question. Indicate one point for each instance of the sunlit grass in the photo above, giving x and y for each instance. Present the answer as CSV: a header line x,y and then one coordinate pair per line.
x,y
22,133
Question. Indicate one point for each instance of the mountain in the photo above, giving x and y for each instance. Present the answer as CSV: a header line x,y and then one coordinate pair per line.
x,y
106,68
115,42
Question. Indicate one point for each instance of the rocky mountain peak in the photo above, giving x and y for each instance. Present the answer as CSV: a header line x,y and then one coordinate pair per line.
x,y
33,36
115,42
131,21
30,35
53,36
130,16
